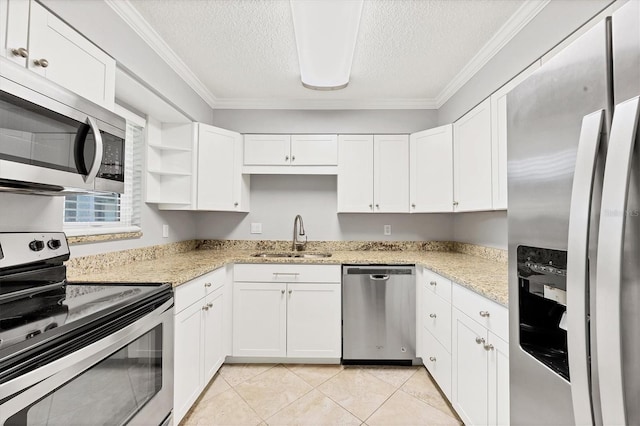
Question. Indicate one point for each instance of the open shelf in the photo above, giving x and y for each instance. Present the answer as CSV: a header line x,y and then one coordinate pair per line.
x,y
170,148
169,172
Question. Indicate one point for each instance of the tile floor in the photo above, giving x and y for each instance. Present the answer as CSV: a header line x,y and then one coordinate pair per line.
x,y
260,394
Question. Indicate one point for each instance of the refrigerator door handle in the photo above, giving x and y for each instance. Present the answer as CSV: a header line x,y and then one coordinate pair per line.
x,y
615,191
577,268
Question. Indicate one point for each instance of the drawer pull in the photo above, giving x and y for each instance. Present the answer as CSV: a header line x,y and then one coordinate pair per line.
x,y
207,284
286,273
432,315
433,283
484,314
432,358
488,347
480,340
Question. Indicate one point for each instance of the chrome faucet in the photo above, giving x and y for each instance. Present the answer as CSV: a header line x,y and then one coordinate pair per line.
x,y
297,245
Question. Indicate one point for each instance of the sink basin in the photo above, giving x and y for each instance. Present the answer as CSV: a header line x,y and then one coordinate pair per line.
x,y
293,255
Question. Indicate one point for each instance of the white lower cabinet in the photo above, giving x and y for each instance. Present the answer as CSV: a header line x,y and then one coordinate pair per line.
x,y
480,362
284,311
199,342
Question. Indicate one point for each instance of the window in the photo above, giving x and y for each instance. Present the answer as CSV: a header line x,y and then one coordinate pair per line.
x,y
106,213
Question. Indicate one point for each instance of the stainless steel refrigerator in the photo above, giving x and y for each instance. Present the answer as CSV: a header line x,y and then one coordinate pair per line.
x,y
574,232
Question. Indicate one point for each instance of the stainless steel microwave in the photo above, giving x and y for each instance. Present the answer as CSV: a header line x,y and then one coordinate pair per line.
x,y
54,142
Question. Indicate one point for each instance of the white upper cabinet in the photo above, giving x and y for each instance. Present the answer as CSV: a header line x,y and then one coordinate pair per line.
x,y
267,150
499,137
291,154
62,55
431,181
14,20
373,174
391,173
220,182
472,160
355,173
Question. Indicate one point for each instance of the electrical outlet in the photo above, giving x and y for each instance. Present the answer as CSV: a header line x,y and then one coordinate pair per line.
x,y
256,228
165,231
387,230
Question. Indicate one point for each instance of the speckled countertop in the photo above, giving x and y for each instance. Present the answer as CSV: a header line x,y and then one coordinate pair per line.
x,y
484,276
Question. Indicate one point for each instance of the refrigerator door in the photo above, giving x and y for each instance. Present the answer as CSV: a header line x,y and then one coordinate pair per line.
x,y
621,375
545,116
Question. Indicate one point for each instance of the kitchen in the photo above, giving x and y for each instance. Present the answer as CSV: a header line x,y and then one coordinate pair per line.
x,y
153,82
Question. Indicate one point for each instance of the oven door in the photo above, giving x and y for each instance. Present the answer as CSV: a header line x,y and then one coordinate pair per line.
x,y
124,378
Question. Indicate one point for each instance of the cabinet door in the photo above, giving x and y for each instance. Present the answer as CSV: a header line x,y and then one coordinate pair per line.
x,y
221,185
213,333
469,385
355,173
267,150
431,182
314,320
188,380
314,150
14,19
391,174
499,137
259,319
73,61
498,381
472,159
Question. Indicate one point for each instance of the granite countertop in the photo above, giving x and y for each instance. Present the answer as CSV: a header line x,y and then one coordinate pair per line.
x,y
486,277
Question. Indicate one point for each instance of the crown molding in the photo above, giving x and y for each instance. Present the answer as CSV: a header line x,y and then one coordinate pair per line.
x,y
506,33
337,104
136,21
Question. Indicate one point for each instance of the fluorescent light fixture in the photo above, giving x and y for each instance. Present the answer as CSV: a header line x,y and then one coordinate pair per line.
x,y
326,33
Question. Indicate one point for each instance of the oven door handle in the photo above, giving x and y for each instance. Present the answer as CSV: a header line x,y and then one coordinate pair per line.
x,y
43,380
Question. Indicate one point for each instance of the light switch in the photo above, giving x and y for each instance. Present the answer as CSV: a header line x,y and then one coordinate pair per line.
x,y
256,228
165,231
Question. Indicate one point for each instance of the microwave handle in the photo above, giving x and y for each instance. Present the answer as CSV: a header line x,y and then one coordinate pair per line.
x,y
97,156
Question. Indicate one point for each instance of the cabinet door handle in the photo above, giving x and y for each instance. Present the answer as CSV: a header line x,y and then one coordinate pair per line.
x,y
293,158
205,308
455,203
432,315
210,305
290,291
433,283
235,204
377,206
20,51
484,314
480,340
207,284
413,205
432,358
281,291
41,62
371,206
488,347
286,158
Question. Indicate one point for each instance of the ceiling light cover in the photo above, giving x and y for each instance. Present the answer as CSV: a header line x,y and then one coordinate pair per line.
x,y
326,33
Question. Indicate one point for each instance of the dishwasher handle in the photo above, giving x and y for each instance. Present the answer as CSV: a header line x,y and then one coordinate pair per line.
x,y
378,277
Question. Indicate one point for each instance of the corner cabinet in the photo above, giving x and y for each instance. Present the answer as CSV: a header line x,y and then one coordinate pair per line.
x,y
194,166
201,329
291,311
373,173
431,182
40,41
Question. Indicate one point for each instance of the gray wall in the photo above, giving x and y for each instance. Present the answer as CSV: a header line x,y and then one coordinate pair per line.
x,y
102,25
24,213
325,121
482,228
276,199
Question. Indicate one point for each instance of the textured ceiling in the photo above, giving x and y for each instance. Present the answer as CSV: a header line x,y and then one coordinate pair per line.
x,y
406,49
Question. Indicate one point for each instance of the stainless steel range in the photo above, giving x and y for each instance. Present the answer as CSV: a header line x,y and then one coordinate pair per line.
x,y
79,353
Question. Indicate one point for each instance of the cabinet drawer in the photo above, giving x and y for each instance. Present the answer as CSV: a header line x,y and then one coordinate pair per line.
x,y
287,273
437,360
491,315
189,293
437,284
437,318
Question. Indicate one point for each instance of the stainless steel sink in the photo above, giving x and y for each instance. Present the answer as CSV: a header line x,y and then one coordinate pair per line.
x,y
293,255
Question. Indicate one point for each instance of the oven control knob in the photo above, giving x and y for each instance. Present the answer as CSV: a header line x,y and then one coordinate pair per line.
x,y
54,244
36,245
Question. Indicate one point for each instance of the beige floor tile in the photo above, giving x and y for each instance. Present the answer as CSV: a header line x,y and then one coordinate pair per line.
x,y
421,386
403,410
226,408
315,374
357,391
394,375
235,374
313,409
216,386
269,392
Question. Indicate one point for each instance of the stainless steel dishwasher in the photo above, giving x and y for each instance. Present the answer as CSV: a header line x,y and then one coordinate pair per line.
x,y
378,314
